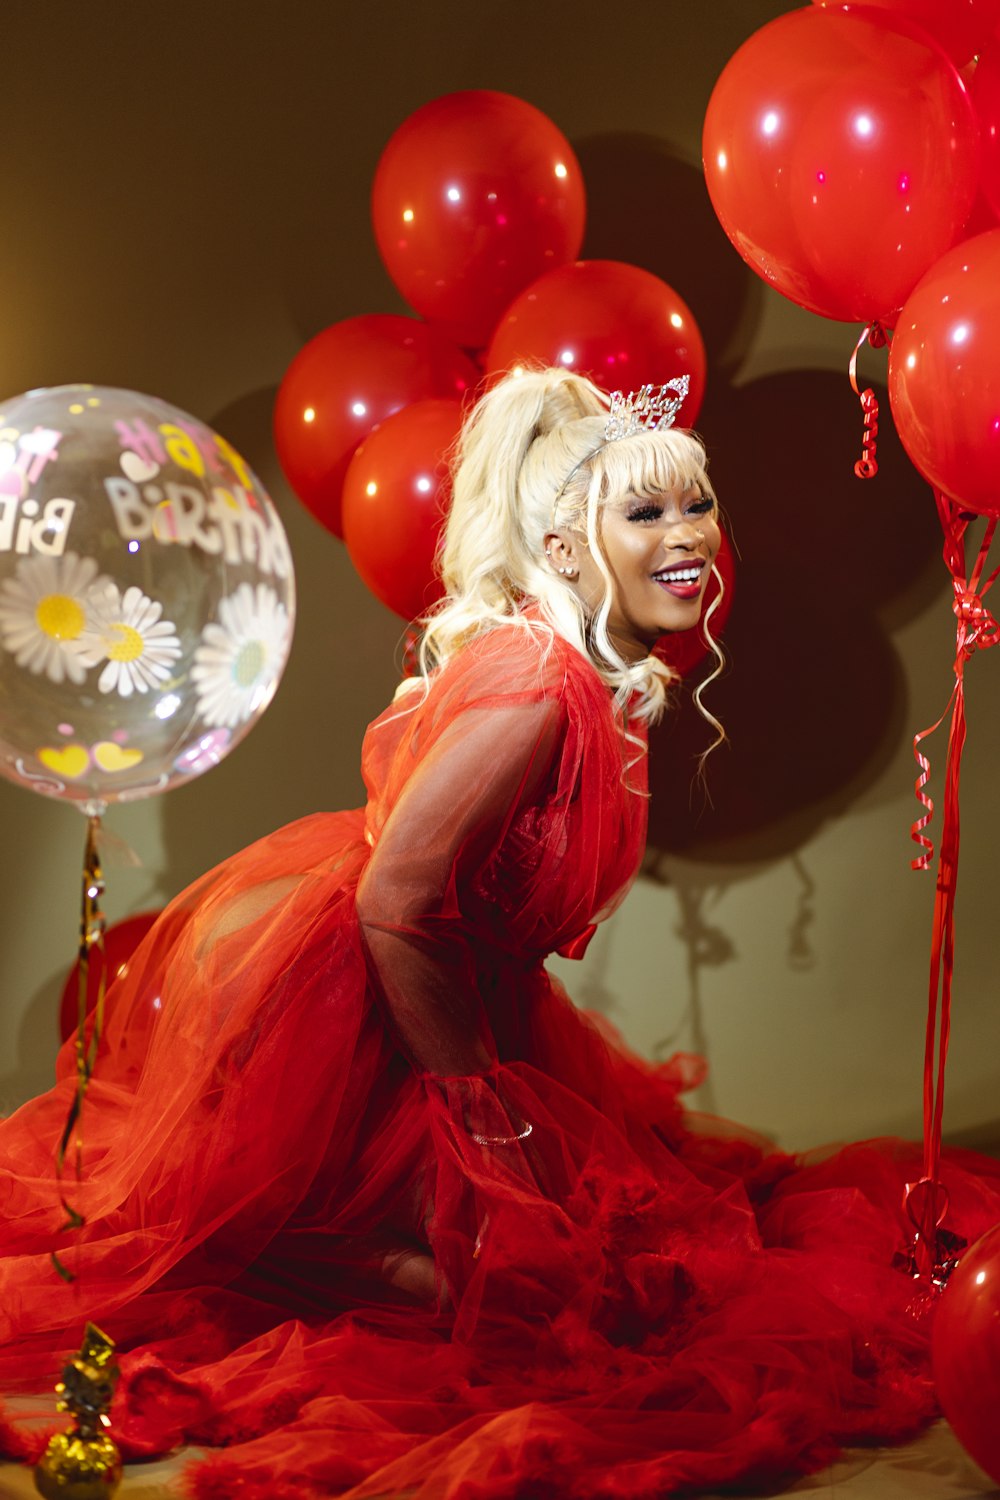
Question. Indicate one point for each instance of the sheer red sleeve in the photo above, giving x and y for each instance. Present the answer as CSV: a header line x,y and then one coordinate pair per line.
x,y
477,758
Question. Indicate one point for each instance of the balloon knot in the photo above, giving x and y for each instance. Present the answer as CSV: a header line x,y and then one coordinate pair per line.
x,y
981,629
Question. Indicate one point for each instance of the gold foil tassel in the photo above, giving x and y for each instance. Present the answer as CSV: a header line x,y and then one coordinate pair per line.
x,y
84,1463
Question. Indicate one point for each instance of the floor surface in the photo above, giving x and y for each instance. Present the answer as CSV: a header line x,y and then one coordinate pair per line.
x,y
932,1468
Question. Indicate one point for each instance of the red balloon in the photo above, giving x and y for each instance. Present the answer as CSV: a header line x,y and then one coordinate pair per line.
x,y
396,497
618,324
985,90
961,27
475,195
684,649
120,942
966,1348
841,156
944,374
345,380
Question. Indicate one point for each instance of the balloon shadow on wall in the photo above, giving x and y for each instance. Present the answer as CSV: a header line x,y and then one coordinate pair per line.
x,y
303,754
646,207
815,704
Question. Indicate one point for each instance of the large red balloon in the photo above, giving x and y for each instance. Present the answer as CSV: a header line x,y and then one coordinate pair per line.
x,y
476,194
345,380
944,374
120,942
684,649
841,155
618,324
396,497
961,27
967,1351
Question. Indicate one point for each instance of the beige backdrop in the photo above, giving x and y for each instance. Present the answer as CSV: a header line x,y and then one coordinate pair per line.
x,y
185,202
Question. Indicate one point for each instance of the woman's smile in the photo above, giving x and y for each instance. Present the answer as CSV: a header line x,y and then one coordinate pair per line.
x,y
684,580
659,551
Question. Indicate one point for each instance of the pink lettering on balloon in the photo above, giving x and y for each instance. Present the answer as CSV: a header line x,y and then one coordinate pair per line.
x,y
204,441
139,438
38,448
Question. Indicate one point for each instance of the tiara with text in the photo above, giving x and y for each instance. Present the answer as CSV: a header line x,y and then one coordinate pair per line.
x,y
646,410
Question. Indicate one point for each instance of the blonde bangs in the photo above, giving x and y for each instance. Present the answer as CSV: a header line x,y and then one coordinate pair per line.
x,y
650,464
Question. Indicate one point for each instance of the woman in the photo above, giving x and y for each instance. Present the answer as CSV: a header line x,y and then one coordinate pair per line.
x,y
367,1200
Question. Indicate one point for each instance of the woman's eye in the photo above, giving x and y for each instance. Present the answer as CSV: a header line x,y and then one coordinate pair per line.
x,y
701,507
646,513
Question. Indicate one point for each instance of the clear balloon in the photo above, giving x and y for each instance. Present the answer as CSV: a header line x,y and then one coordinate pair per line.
x,y
961,27
396,497
967,1351
944,374
842,159
146,595
618,324
475,195
346,380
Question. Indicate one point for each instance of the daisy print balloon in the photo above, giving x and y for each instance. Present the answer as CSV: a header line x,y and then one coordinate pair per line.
x,y
146,595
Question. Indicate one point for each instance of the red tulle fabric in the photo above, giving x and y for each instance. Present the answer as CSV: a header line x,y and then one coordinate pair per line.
x,y
316,1222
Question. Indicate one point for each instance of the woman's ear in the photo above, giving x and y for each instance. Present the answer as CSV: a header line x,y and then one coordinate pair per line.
x,y
562,553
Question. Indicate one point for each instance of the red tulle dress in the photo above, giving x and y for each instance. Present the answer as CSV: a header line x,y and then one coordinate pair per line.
x,y
320,1071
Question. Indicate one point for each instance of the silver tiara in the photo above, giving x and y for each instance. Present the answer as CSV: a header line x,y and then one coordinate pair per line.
x,y
646,409
649,409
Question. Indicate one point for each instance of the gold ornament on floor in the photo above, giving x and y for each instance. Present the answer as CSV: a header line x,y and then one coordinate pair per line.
x,y
84,1464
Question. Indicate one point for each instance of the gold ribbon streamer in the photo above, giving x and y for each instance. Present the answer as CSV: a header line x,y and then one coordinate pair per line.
x,y
91,950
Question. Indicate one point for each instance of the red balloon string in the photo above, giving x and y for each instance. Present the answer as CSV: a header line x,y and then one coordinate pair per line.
x,y
975,629
867,465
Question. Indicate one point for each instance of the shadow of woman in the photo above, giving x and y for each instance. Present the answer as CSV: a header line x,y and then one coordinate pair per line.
x,y
815,705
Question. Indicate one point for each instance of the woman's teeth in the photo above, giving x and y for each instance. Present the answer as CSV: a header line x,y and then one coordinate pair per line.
x,y
679,575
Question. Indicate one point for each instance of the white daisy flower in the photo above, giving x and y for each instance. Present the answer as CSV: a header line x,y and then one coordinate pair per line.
x,y
140,647
241,655
45,610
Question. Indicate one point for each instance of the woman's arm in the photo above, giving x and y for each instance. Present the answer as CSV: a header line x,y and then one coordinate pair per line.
x,y
448,821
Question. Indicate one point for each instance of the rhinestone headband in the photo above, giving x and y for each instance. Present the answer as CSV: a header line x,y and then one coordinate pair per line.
x,y
649,409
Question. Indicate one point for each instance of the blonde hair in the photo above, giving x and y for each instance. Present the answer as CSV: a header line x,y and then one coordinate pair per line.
x,y
531,459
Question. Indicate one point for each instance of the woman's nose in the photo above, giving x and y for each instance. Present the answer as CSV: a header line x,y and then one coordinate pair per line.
x,y
683,533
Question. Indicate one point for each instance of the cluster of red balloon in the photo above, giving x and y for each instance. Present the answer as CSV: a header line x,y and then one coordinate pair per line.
x,y
842,154
478,208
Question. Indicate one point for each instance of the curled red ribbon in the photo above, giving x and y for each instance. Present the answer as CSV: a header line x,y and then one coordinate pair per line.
x,y
867,465
976,629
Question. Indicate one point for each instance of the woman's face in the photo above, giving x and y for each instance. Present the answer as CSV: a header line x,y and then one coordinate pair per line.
x,y
660,552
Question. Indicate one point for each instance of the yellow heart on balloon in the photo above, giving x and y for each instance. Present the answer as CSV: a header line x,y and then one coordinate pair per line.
x,y
111,757
70,761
